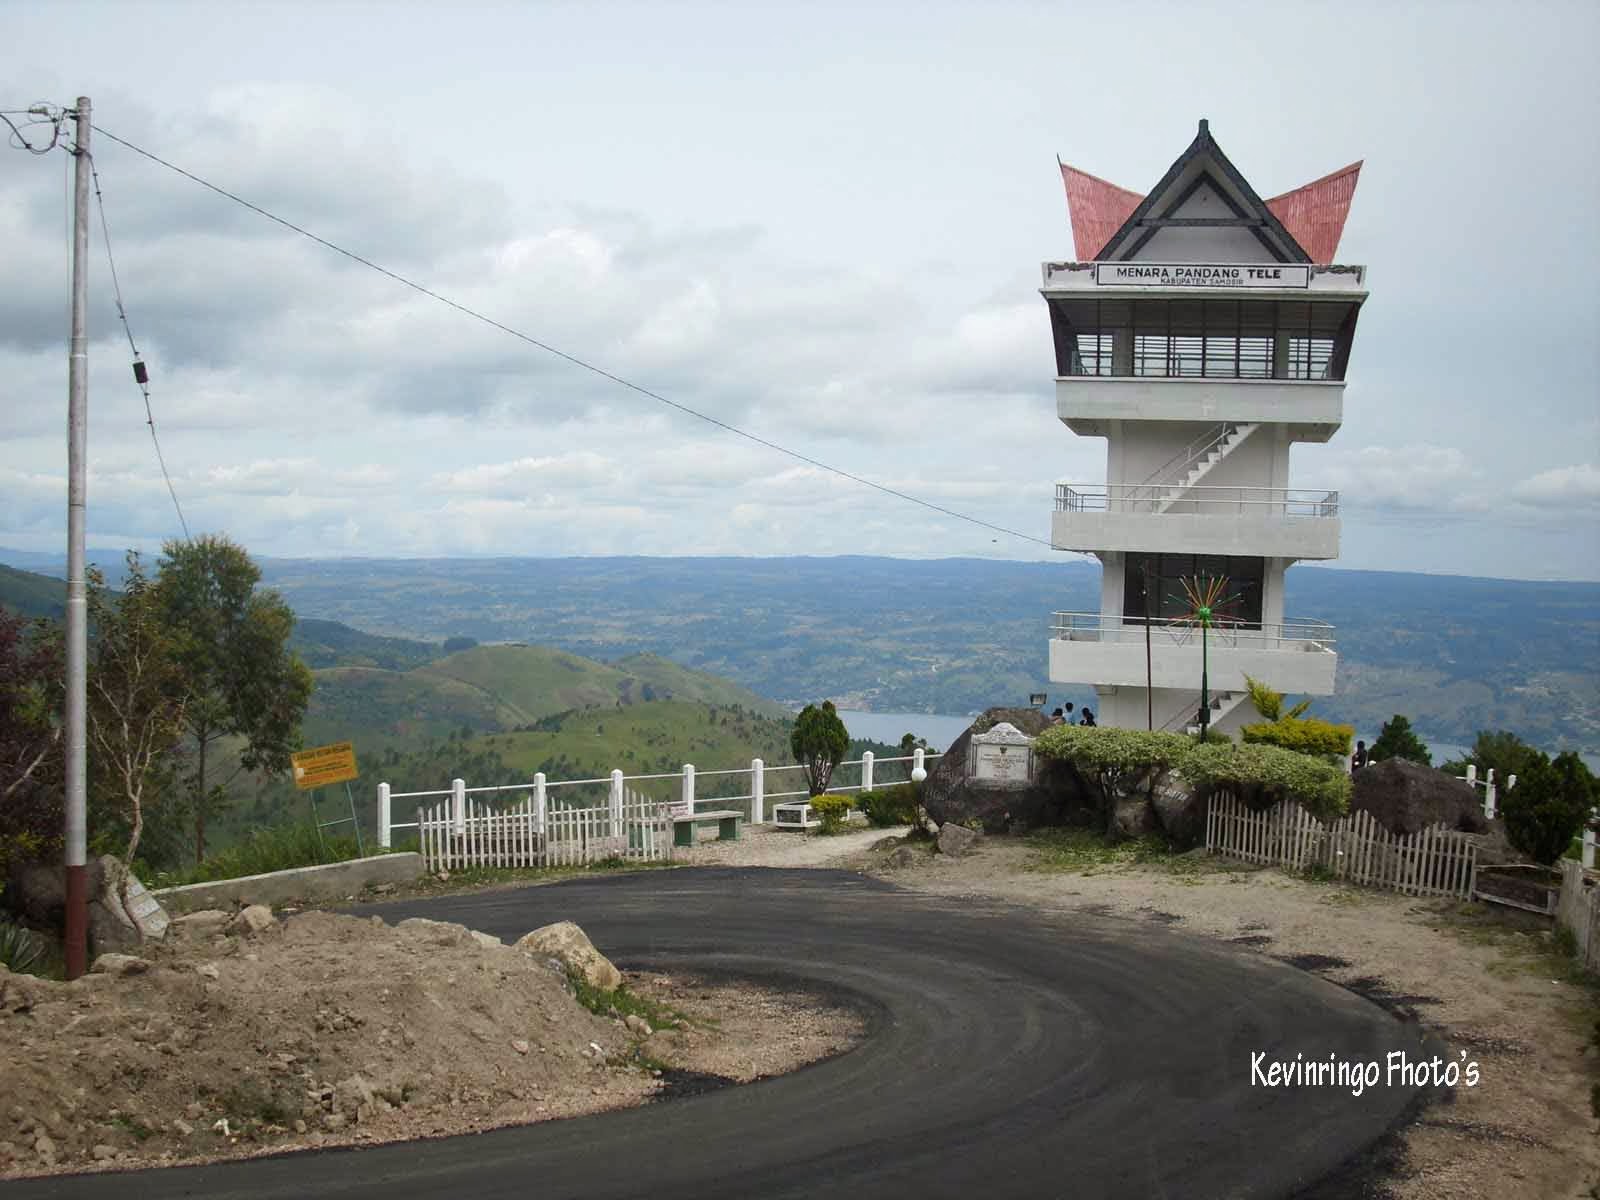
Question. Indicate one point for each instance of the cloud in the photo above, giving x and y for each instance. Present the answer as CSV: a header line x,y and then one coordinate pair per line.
x,y
1561,487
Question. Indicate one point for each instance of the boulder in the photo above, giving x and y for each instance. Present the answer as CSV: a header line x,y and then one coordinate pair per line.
x,y
565,941
254,919
198,924
1181,813
1133,815
119,964
957,840
904,857
950,797
1405,797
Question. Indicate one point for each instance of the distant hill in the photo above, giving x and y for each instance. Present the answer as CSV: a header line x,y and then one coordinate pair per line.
x,y
956,635
32,595
332,644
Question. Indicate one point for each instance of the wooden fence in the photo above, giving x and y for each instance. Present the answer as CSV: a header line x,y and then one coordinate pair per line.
x,y
520,835
1432,862
1579,911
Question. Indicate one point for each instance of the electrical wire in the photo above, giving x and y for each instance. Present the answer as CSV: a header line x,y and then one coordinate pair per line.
x,y
140,375
572,358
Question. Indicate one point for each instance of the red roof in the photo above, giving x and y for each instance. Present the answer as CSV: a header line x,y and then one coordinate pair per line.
x,y
1098,209
1313,214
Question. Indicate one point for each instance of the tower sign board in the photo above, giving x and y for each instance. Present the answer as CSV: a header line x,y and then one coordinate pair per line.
x,y
1209,275
1001,757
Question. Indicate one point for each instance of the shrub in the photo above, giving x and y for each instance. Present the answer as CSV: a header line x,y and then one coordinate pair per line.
x,y
889,806
1547,808
1396,740
280,848
1261,774
1102,751
1303,735
831,807
21,950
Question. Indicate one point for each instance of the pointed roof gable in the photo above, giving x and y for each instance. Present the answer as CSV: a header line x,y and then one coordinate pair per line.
x,y
1303,225
1315,213
1097,209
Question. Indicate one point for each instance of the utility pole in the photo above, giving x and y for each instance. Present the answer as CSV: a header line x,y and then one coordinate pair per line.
x,y
77,600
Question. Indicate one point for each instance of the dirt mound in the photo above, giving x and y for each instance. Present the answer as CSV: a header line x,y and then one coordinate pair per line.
x,y
1405,797
316,1030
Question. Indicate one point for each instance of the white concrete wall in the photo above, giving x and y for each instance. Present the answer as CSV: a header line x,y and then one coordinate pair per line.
x,y
1253,533
1310,410
1293,668
1170,708
1215,245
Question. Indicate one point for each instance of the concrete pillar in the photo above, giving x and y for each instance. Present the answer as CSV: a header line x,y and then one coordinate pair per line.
x,y
758,792
383,815
458,806
688,787
540,803
918,771
616,804
866,771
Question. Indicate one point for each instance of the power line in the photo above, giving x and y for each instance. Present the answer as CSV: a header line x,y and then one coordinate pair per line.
x,y
572,358
140,375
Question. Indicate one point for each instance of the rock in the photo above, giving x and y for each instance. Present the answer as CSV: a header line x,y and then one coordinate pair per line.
x,y
487,940
520,1046
1405,797
252,920
1181,813
956,840
886,843
1132,815
438,933
38,891
354,1097
102,1153
207,920
334,1121
902,858
119,964
567,942
183,1127
638,1026
299,1125
44,1146
950,797
208,970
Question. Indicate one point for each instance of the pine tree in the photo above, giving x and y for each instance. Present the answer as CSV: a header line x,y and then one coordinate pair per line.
x,y
1396,740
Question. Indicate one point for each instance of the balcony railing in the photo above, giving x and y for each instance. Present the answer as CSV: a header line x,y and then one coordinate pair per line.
x,y
1314,636
1201,499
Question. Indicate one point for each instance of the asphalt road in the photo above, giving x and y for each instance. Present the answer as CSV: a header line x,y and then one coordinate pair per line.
x,y
1010,1055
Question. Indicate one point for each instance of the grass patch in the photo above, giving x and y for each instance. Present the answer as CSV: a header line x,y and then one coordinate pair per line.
x,y
279,848
138,1129
466,879
621,1002
1085,852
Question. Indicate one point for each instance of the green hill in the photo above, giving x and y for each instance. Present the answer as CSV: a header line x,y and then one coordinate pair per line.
x,y
333,644
32,595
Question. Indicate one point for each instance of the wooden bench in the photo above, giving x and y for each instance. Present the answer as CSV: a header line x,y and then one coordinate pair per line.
x,y
684,825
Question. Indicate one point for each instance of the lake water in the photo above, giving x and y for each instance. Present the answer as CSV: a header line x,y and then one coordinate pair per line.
x,y
940,729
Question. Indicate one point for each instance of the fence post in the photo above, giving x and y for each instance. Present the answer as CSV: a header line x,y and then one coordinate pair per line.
x,y
458,806
383,815
1488,794
616,803
866,771
918,771
1588,847
539,803
1472,773
758,792
688,787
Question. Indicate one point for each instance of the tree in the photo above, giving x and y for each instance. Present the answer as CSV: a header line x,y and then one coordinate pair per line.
x,y
1501,751
231,642
819,741
1549,805
1293,730
137,697
32,679
1396,740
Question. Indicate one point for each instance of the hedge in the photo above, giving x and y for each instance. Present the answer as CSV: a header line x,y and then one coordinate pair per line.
x,y
1266,774
832,807
1303,735
1106,751
889,806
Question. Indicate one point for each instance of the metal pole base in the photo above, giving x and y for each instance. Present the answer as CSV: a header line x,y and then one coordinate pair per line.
x,y
77,921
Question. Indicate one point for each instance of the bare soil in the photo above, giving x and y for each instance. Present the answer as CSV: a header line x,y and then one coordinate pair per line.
x,y
1489,981
326,1030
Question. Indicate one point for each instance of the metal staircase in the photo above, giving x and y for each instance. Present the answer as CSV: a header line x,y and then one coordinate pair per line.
x,y
1191,464
1222,703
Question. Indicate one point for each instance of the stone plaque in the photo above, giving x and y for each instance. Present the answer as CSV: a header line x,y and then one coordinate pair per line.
x,y
1000,757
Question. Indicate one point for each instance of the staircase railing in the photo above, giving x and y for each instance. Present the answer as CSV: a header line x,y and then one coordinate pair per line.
x,y
1177,467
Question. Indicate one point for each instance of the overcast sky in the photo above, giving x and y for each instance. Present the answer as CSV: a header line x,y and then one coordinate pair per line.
x,y
823,223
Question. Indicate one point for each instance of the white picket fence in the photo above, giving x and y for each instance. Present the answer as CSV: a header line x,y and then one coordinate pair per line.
x,y
529,834
1432,862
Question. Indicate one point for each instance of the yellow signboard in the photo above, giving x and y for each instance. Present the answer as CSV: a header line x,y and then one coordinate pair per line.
x,y
324,765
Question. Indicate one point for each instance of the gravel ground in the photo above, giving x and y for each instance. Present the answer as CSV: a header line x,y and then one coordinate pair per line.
x,y
763,846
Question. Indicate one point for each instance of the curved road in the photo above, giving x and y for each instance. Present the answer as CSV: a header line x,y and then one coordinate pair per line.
x,y
1010,1055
